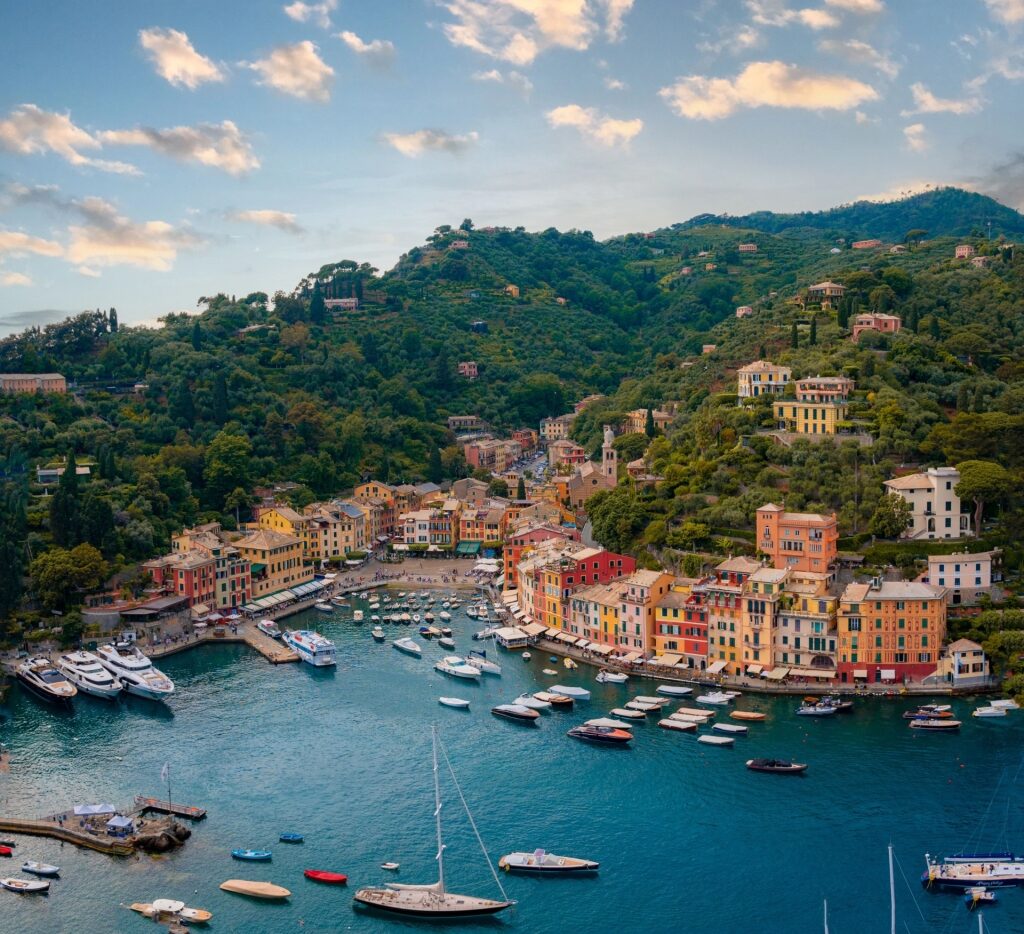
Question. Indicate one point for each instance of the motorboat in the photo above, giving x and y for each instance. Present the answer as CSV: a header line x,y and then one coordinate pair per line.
x,y
358,616
527,656
428,618
1005,704
169,909
697,712
40,677
606,676
427,632
548,671
323,606
937,726
605,735
407,645
457,702
841,705
481,661
25,886
989,874
378,634
195,915
574,693
339,602
40,869
644,708
629,714
689,718
715,698
84,671
444,615
747,715
989,712
255,856
710,740
321,875
6,851
291,837
925,713
541,861
534,703
265,890
555,700
776,766
978,896
456,667
375,618
816,710
135,671
673,690
569,664
406,619
608,721
446,643
390,867
515,712
311,647
684,726
657,701
733,728
269,628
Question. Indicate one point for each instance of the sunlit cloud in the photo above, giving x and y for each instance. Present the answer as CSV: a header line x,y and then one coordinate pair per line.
x,y
614,84
16,243
777,13
218,145
14,278
915,137
316,13
1009,12
377,51
296,70
513,79
857,6
175,59
282,220
418,142
927,103
595,126
88,272
854,50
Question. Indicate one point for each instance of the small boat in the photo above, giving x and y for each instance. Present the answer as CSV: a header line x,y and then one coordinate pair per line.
x,y
816,710
446,632
710,740
989,712
25,886
540,861
534,703
258,856
481,661
390,867
527,656
689,718
605,676
358,616
444,615
697,712
657,701
375,618
1005,704
291,838
6,851
569,663
408,646
747,715
456,667
195,915
548,671
641,706
311,647
841,706
574,693
555,700
733,728
629,714
486,633
935,725
339,602
321,875
323,606
39,869
923,713
978,896
684,726
255,889
378,634
446,643
776,766
605,735
715,698
269,628
673,690
456,702
608,721
6,842
515,712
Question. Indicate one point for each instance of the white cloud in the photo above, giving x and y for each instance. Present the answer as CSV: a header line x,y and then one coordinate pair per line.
x,y
16,243
418,142
219,145
512,78
1006,11
319,13
282,220
594,125
377,51
764,84
915,137
927,103
857,6
854,50
296,70
777,13
614,84
89,272
28,129
15,278
863,118
517,31
175,59
903,190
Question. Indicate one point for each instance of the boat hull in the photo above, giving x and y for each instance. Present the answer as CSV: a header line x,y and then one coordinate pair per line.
x,y
447,906
58,700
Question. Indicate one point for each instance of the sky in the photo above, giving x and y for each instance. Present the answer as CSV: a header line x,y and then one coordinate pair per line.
x,y
153,153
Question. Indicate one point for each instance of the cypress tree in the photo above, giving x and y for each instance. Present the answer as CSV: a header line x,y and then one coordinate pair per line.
x,y
813,338
649,428
963,398
197,336
112,320
843,313
64,519
794,336
521,488
317,308
934,330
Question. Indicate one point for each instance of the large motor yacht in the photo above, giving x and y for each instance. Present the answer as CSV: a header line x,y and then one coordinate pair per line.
x,y
135,671
85,671
44,680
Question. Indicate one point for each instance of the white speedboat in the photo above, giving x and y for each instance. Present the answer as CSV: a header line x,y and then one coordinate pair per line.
x,y
486,633
457,667
1005,704
323,606
444,615
540,862
357,615
40,677
716,698
989,712
339,601
673,690
456,702
84,671
39,869
408,646
311,647
528,700
604,676
814,710
481,661
574,693
135,671
378,634
710,740
269,628
446,642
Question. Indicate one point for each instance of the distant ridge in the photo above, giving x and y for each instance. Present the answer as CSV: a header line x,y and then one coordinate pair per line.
x,y
943,212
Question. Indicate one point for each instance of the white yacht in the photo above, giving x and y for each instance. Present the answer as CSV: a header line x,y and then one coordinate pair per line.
x,y
85,672
481,661
408,646
135,671
311,647
456,666
40,677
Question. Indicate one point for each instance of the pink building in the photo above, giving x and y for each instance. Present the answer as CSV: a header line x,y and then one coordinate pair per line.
x,y
884,324
866,244
964,251
748,247
32,382
744,311
565,451
341,304
468,369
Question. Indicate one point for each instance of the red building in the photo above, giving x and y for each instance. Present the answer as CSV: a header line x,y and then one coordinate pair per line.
x,y
523,538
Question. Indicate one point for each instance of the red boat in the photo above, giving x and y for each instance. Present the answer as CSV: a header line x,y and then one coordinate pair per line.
x,y
319,875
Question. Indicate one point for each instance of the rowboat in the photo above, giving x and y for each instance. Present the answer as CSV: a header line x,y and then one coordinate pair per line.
x,y
684,726
715,740
456,702
321,875
776,766
390,867
39,869
255,889
291,838
256,856
542,862
673,690
629,714
747,715
25,886
729,728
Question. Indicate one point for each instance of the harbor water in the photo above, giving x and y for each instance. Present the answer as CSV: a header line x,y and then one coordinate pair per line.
x,y
688,839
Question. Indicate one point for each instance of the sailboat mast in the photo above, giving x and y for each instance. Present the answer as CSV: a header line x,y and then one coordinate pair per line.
x,y
437,817
892,894
826,916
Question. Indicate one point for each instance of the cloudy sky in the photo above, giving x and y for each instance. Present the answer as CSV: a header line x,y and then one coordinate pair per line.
x,y
154,152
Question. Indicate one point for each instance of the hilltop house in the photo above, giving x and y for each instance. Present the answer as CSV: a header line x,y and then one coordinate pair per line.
x,y
935,507
874,321
821,404
762,378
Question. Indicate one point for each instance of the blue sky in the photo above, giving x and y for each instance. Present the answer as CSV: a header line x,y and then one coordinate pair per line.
x,y
154,152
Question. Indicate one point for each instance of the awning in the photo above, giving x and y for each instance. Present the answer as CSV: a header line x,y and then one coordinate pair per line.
x,y
777,674
200,610
754,669
888,674
552,631
433,548
715,667
601,649
509,596
400,547
632,656
256,567
86,810
566,637
860,672
813,672
533,629
467,548
119,823
519,614
668,659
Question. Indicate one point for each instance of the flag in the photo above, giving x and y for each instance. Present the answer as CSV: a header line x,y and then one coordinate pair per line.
x,y
165,772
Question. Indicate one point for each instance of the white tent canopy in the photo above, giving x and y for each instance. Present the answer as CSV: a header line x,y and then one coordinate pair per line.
x,y
87,810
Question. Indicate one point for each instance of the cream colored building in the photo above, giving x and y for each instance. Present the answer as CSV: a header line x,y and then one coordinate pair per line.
x,y
935,507
276,561
762,378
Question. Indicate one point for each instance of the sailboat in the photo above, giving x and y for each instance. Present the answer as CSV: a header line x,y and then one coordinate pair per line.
x,y
433,900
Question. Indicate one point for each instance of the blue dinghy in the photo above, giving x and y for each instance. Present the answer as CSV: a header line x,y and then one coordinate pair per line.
x,y
259,856
291,838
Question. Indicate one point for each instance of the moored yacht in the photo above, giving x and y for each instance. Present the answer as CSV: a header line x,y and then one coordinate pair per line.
x,y
311,647
135,671
84,671
269,628
42,679
456,666
991,874
481,661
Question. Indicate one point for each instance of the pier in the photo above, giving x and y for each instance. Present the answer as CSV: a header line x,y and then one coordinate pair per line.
x,y
82,838
189,811
273,651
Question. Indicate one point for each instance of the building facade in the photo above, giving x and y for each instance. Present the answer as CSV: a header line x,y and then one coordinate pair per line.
x,y
276,561
935,509
762,378
32,383
801,541
882,324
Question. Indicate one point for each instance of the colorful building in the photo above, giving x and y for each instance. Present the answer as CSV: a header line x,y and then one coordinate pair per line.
x,y
805,639
762,378
594,615
276,561
556,427
825,293
643,589
821,404
681,625
232,572
935,510
635,422
802,541
32,383
724,604
875,321
564,452
761,600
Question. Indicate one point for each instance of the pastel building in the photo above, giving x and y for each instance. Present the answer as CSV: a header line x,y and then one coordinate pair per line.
x,y
825,293
935,510
821,404
556,427
745,311
964,251
882,324
965,576
276,561
762,378
643,589
635,421
231,571
32,383
801,541
594,614
724,604
805,638
468,368
681,626
564,452
760,603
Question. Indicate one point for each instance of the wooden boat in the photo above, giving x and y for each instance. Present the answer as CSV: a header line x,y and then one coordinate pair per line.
x,y
40,869
541,862
256,856
937,726
195,915
25,886
605,735
842,706
255,889
515,712
291,838
697,712
729,728
747,715
978,896
710,740
673,690
321,875
776,766
684,726
629,714
457,702
607,721
555,700
644,708
6,851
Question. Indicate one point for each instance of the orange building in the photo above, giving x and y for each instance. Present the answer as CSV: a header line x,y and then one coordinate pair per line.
x,y
803,541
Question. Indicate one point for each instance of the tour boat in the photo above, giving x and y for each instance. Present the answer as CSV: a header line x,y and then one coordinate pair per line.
x,y
135,671
978,896
291,837
747,715
456,667
989,712
673,690
378,634
406,645
269,628
673,723
40,677
311,647
481,661
574,693
989,874
433,900
555,700
25,886
629,714
733,728
605,676
710,740
265,890
935,725
323,606
715,698
601,734
515,712
40,869
321,875
608,721
776,766
457,702
84,671
534,703
255,856
816,710
540,861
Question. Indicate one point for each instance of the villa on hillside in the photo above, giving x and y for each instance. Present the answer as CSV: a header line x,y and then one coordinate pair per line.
x,y
762,378
934,504
825,293
874,321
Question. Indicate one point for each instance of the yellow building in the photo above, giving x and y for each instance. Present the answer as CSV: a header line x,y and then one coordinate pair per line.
x,y
594,614
276,561
762,598
810,418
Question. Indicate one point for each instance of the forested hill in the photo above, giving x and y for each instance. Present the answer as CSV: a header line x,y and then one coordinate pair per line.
x,y
950,212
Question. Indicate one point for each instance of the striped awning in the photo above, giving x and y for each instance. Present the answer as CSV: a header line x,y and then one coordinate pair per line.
x,y
715,667
777,674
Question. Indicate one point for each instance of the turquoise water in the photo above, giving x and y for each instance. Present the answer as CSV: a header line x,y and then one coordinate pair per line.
x,y
688,838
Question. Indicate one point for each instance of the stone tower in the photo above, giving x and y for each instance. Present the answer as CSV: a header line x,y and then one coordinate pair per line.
x,y
609,457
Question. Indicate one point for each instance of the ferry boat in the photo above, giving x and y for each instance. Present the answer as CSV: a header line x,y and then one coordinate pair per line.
x,y
135,671
269,628
40,677
990,874
311,647
84,671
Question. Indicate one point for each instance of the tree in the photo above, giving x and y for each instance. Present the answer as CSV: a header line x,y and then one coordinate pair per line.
x,y
650,429
892,516
227,465
238,499
220,399
843,313
812,338
182,405
435,470
112,320
64,505
58,574
794,336
521,488
197,336
317,307
983,482
498,487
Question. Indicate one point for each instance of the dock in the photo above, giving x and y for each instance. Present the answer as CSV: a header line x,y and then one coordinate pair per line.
x,y
189,811
82,838
273,651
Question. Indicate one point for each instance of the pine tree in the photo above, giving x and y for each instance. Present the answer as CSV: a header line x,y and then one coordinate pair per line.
x,y
317,308
435,469
521,488
813,337
112,320
197,336
794,336
220,399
